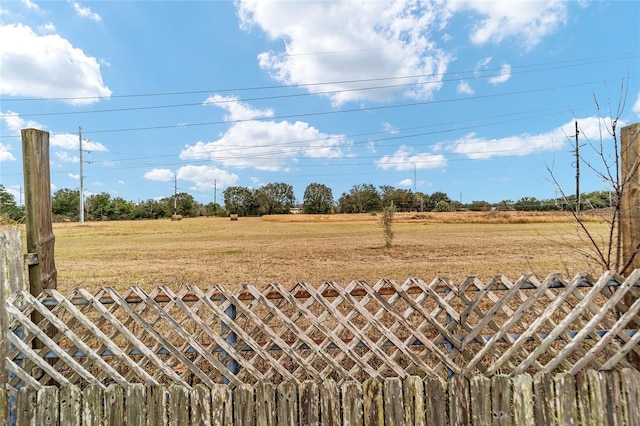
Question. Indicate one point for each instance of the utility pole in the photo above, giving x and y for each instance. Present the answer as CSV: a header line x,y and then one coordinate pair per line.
x,y
81,179
175,195
215,192
577,170
414,178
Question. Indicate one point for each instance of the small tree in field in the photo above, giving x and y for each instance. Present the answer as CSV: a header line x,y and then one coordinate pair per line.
x,y
386,222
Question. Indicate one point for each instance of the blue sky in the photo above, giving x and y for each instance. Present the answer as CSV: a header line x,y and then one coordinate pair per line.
x,y
475,99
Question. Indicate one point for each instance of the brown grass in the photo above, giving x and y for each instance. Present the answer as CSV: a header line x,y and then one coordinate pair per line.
x,y
293,248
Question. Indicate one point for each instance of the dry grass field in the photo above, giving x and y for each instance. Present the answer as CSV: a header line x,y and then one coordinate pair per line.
x,y
293,248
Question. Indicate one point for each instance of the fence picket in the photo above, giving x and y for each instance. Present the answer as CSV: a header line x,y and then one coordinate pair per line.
x,y
287,400
501,392
480,393
178,408
309,403
201,405
244,406
114,405
523,400
221,405
71,405
92,407
352,405
48,411
413,401
565,397
136,407
329,403
266,414
156,405
373,404
459,401
435,401
393,402
631,391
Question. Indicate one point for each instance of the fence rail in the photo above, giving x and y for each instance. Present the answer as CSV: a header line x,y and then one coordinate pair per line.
x,y
346,333
589,398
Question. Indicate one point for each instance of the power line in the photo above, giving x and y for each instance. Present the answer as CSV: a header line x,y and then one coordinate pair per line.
x,y
570,63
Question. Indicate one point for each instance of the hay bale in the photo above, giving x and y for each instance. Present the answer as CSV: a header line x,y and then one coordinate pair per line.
x,y
233,216
176,217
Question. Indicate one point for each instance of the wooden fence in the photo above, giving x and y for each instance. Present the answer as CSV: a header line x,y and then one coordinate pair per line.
x,y
590,398
264,340
356,332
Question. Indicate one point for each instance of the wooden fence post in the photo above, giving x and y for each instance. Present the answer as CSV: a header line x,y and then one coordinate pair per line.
x,y
4,343
630,209
38,216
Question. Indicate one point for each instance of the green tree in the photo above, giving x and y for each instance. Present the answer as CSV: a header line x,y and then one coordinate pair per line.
x,y
8,207
363,198
318,199
436,197
404,200
386,222
184,204
479,206
274,198
239,200
66,202
442,206
98,206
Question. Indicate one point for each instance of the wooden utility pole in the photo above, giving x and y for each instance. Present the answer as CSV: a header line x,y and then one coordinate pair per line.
x,y
38,216
630,199
630,211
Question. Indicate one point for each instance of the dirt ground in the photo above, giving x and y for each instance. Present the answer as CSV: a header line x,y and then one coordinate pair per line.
x,y
294,248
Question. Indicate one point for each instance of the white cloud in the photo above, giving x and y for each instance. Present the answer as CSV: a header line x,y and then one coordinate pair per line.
x,y
406,182
503,76
636,105
29,4
85,12
479,148
47,67
405,159
74,176
237,110
47,28
5,153
388,127
266,145
339,42
66,158
464,88
525,21
70,141
14,123
161,175
204,177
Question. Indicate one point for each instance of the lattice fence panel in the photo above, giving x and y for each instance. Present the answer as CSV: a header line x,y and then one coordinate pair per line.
x,y
353,332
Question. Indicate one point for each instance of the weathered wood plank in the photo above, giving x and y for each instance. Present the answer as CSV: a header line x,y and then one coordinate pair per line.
x,y
501,392
372,403
38,217
480,393
221,405
329,403
590,398
244,406
612,394
12,277
393,401
413,389
26,407
287,401
48,412
523,405
544,405
92,408
352,410
157,414
266,412
631,390
201,405
70,405
178,411
114,405
565,396
136,404
309,403
435,401
459,401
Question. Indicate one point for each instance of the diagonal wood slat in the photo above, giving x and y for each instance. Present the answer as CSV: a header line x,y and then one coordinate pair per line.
x,y
345,333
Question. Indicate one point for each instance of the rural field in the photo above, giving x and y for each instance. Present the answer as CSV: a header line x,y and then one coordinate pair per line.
x,y
293,248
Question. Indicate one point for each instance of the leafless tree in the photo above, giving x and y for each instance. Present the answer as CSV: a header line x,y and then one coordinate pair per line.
x,y
604,251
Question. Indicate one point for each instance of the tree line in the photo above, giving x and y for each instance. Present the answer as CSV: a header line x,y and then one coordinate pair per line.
x,y
279,198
